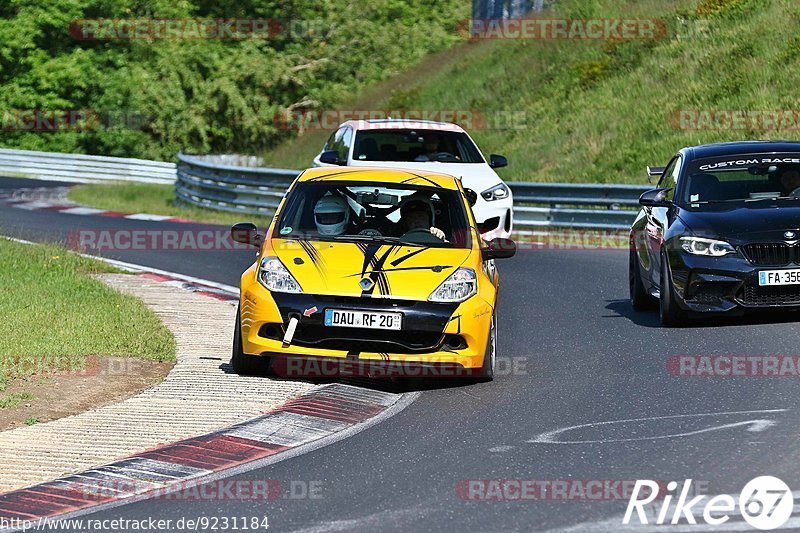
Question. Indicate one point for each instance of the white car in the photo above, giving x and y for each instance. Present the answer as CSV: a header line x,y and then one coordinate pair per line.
x,y
427,145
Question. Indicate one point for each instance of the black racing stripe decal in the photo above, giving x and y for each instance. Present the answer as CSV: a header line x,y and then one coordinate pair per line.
x,y
408,256
423,178
434,268
313,254
378,278
383,279
338,173
456,317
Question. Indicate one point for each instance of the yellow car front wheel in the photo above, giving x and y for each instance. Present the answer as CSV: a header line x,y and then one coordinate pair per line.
x,y
242,363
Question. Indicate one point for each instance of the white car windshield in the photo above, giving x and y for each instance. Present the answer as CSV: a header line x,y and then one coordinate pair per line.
x,y
415,145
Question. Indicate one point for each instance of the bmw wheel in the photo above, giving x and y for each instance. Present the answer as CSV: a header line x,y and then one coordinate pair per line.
x,y
641,300
671,315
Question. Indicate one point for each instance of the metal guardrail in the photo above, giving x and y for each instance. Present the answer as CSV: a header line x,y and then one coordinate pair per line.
x,y
79,168
575,205
231,183
236,184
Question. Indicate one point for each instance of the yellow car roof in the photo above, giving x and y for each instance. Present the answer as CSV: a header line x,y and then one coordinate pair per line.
x,y
382,175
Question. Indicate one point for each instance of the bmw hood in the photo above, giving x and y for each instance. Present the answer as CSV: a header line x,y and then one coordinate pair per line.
x,y
475,176
744,222
368,269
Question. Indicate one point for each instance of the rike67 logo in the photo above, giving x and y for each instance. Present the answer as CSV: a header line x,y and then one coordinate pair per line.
x,y
765,503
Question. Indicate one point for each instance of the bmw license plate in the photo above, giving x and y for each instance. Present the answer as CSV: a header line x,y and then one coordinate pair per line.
x,y
346,318
779,277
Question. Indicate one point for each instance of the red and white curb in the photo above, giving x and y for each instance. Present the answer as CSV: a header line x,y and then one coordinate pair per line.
x,y
54,199
318,418
197,287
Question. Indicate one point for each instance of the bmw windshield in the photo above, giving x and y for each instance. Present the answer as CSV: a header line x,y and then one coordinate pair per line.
x,y
741,178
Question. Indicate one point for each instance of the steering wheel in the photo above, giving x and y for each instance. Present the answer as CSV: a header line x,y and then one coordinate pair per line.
x,y
421,236
370,232
438,156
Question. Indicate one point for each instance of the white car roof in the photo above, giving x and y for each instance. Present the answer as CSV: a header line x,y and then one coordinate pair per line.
x,y
404,124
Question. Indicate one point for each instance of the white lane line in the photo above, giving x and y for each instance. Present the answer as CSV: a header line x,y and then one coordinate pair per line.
x,y
132,267
551,437
33,206
145,216
83,211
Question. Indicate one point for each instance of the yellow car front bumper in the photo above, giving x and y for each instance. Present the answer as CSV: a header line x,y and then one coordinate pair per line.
x,y
264,318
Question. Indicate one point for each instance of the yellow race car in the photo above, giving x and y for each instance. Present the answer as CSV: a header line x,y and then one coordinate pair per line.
x,y
374,272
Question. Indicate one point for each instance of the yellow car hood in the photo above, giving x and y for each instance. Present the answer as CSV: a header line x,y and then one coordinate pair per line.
x,y
367,269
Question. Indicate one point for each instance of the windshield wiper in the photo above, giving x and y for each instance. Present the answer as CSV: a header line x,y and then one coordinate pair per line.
x,y
375,238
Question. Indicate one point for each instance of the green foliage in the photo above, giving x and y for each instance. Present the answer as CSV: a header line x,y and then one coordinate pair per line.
x,y
156,97
600,111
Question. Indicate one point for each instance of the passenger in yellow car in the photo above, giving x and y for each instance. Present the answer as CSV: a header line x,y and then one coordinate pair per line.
x,y
417,217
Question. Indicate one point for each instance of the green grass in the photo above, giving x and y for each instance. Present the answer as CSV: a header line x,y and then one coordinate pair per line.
x,y
600,111
152,199
14,399
53,315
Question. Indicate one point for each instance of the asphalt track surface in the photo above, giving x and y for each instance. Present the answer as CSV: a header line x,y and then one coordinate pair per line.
x,y
579,355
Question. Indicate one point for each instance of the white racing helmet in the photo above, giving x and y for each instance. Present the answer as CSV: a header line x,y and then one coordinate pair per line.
x,y
331,215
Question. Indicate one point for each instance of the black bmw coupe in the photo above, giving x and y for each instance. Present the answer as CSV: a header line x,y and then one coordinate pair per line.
x,y
721,232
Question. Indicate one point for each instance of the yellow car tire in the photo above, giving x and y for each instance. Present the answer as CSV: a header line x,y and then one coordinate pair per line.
x,y
242,363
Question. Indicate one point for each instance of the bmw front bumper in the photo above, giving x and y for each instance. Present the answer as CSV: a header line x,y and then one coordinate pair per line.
x,y
724,284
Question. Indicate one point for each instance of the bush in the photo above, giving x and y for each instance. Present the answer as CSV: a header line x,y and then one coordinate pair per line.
x,y
154,98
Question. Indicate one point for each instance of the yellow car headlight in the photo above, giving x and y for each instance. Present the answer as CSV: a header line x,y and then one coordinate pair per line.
x,y
275,277
461,285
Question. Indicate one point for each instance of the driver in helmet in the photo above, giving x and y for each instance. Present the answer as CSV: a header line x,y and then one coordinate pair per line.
x,y
332,215
417,217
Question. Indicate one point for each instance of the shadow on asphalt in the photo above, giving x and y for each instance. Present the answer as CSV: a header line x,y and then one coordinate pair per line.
x,y
391,385
650,319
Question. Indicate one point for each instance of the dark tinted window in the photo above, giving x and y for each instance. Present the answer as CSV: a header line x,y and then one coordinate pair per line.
x,y
415,145
742,177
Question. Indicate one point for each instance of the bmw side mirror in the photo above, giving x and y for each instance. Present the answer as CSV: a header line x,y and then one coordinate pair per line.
x,y
654,172
472,197
246,233
499,249
330,157
497,161
655,198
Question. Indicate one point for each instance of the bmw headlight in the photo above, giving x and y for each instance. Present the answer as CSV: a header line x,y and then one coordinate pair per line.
x,y
498,192
709,247
461,285
274,276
